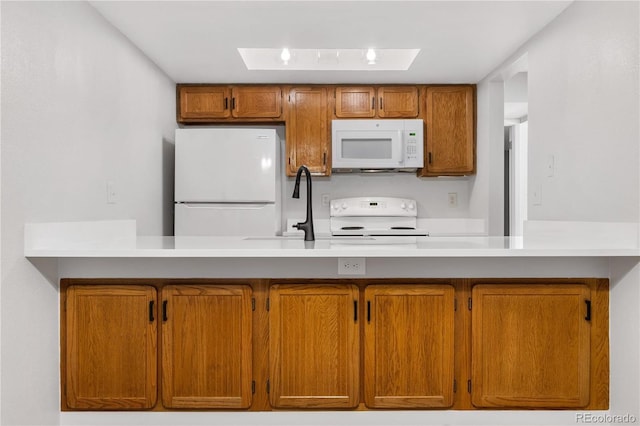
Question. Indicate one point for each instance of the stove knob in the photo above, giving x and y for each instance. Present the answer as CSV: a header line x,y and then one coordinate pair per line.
x,y
403,206
412,206
344,206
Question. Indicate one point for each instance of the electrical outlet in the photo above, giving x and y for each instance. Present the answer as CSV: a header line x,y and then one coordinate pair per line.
x,y
324,198
453,199
351,266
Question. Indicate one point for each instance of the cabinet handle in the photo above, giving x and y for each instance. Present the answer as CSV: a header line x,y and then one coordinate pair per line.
x,y
164,310
355,311
151,309
324,159
588,315
373,103
368,311
233,103
226,103
380,104
429,158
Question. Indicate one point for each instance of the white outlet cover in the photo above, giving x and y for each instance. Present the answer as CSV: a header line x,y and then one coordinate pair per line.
x,y
351,265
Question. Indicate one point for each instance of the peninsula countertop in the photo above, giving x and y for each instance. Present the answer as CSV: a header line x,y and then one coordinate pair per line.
x,y
117,239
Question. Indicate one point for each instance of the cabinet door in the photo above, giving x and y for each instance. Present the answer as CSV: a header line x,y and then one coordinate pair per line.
x,y
256,102
530,345
450,144
408,351
398,102
110,347
308,137
206,346
199,103
314,346
355,102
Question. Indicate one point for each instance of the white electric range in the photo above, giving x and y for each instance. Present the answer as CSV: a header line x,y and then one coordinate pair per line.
x,y
374,216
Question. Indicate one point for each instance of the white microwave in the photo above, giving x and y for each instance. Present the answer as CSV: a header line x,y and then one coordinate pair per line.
x,y
377,144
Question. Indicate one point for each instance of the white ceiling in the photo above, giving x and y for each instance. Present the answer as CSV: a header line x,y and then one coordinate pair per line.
x,y
460,41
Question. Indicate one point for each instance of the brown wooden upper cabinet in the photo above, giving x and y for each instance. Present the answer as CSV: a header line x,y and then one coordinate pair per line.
x,y
201,103
308,137
109,347
256,101
450,131
314,346
206,346
382,102
214,103
409,346
531,345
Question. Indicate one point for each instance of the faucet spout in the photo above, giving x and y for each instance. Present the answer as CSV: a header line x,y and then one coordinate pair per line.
x,y
307,225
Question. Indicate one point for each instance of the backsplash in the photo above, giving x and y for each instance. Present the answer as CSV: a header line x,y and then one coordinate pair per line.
x,y
431,194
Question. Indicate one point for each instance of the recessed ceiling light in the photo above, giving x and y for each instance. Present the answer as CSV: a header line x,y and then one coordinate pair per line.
x,y
371,57
328,59
285,56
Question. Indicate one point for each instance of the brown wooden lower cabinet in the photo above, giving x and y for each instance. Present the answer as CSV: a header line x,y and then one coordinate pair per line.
x,y
531,345
206,346
323,344
408,346
314,346
110,347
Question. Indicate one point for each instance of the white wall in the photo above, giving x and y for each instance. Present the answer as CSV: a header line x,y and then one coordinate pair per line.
x,y
583,88
81,106
583,110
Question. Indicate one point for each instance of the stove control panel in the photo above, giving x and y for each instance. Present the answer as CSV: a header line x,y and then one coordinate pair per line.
x,y
373,206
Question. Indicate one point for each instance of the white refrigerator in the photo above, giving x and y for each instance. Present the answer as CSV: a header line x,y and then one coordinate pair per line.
x,y
227,182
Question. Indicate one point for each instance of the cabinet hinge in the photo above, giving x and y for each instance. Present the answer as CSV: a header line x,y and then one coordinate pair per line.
x,y
455,386
469,303
253,387
268,386
253,303
289,98
469,386
268,304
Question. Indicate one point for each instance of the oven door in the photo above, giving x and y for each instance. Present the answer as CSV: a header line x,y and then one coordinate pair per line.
x,y
367,149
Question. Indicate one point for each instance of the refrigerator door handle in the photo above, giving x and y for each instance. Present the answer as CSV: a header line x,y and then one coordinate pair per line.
x,y
227,206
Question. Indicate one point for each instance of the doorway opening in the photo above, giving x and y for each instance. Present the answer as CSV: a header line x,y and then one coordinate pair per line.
x,y
516,130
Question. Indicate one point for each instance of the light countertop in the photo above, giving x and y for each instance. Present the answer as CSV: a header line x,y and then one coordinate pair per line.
x,y
117,239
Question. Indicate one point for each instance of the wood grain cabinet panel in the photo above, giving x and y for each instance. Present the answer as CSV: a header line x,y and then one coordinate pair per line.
x,y
409,353
355,102
110,347
314,346
450,131
308,138
197,103
256,101
206,346
530,345
398,102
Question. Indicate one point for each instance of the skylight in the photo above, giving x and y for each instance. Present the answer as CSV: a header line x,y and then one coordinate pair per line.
x,y
369,59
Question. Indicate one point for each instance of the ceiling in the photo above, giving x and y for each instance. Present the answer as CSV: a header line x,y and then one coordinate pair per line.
x,y
460,41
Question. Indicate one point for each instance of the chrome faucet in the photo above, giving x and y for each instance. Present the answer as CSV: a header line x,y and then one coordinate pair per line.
x,y
307,225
